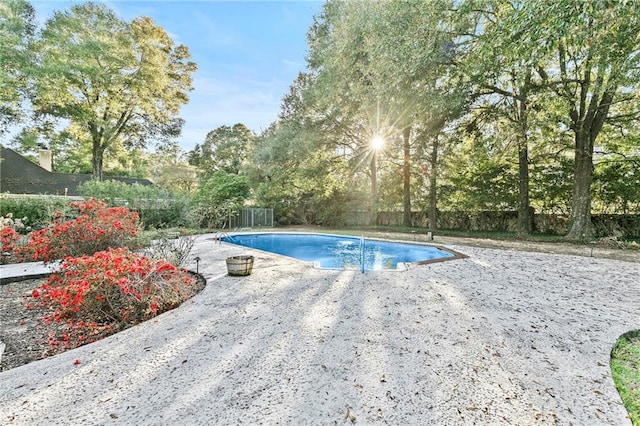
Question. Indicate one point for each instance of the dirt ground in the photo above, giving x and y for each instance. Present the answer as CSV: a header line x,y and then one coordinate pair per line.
x,y
20,329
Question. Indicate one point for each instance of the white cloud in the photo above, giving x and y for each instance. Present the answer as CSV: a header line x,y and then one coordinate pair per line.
x,y
292,64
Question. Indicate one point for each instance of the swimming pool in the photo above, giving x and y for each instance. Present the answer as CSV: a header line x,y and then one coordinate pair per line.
x,y
340,251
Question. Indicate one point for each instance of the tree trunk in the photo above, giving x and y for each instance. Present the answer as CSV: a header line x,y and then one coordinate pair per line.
x,y
524,222
373,220
590,105
433,200
525,216
586,129
580,219
406,176
96,160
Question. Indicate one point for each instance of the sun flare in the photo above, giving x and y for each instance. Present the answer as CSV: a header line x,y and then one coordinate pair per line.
x,y
377,143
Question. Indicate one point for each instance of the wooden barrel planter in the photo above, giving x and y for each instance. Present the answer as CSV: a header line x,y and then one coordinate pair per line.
x,y
239,265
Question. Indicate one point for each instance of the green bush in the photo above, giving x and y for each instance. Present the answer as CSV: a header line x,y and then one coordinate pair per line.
x,y
157,207
39,210
220,194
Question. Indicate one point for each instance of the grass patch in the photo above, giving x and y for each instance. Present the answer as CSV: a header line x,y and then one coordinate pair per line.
x,y
633,244
625,367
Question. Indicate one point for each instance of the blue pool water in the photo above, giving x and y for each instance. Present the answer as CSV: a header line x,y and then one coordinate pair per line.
x,y
340,252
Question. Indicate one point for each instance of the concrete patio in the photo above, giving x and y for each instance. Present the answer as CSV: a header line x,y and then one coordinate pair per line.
x,y
499,338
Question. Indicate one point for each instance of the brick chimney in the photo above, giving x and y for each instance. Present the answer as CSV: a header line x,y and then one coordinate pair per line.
x,y
45,159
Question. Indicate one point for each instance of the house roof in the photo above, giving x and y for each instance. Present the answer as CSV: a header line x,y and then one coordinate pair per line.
x,y
19,175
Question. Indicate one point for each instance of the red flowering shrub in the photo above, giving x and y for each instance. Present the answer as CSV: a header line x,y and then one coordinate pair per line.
x,y
94,296
96,228
9,239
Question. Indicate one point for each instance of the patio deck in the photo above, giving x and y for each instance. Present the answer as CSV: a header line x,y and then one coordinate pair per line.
x,y
501,337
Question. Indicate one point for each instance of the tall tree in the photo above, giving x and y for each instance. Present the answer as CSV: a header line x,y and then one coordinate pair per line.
x,y
344,91
589,53
224,149
303,180
381,64
412,54
299,164
116,81
503,85
171,170
17,25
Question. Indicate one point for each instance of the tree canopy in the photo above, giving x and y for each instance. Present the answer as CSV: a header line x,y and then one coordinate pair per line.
x,y
224,149
114,82
17,25
485,105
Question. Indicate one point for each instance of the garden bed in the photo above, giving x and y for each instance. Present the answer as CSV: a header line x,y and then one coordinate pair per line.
x,y
21,330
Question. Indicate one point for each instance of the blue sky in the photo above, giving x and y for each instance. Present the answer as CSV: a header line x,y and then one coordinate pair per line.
x,y
248,54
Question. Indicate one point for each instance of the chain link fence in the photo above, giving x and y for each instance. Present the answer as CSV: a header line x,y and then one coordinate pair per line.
x,y
252,218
